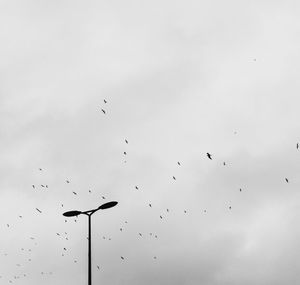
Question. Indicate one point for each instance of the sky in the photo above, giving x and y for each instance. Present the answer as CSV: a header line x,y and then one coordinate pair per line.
x,y
180,79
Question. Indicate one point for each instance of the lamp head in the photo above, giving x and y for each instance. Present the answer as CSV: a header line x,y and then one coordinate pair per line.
x,y
108,205
72,213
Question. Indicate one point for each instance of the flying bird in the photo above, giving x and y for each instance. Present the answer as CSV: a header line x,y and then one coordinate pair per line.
x,y
33,186
209,155
103,197
38,210
150,205
104,112
174,177
178,163
297,145
125,152
126,141
67,181
240,189
122,257
74,193
98,267
286,180
104,101
137,188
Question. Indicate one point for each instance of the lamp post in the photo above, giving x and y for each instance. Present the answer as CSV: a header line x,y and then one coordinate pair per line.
x,y
89,213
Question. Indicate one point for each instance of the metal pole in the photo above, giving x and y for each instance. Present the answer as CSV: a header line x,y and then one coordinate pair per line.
x,y
90,254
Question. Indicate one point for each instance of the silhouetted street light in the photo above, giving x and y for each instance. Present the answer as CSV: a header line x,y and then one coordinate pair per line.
x,y
89,213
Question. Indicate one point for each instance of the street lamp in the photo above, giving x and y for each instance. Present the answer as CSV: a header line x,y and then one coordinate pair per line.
x,y
89,213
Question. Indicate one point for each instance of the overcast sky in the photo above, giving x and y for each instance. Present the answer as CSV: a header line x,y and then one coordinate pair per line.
x,y
180,78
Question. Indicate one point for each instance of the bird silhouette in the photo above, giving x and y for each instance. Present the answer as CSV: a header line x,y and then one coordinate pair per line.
x,y
174,177
122,257
33,186
104,101
74,193
178,163
224,163
126,141
38,210
286,180
98,267
67,181
150,205
297,145
240,189
103,197
125,153
104,112
137,188
209,155
229,207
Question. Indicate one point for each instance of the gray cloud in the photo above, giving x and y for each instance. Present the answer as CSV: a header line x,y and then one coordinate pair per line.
x,y
180,80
